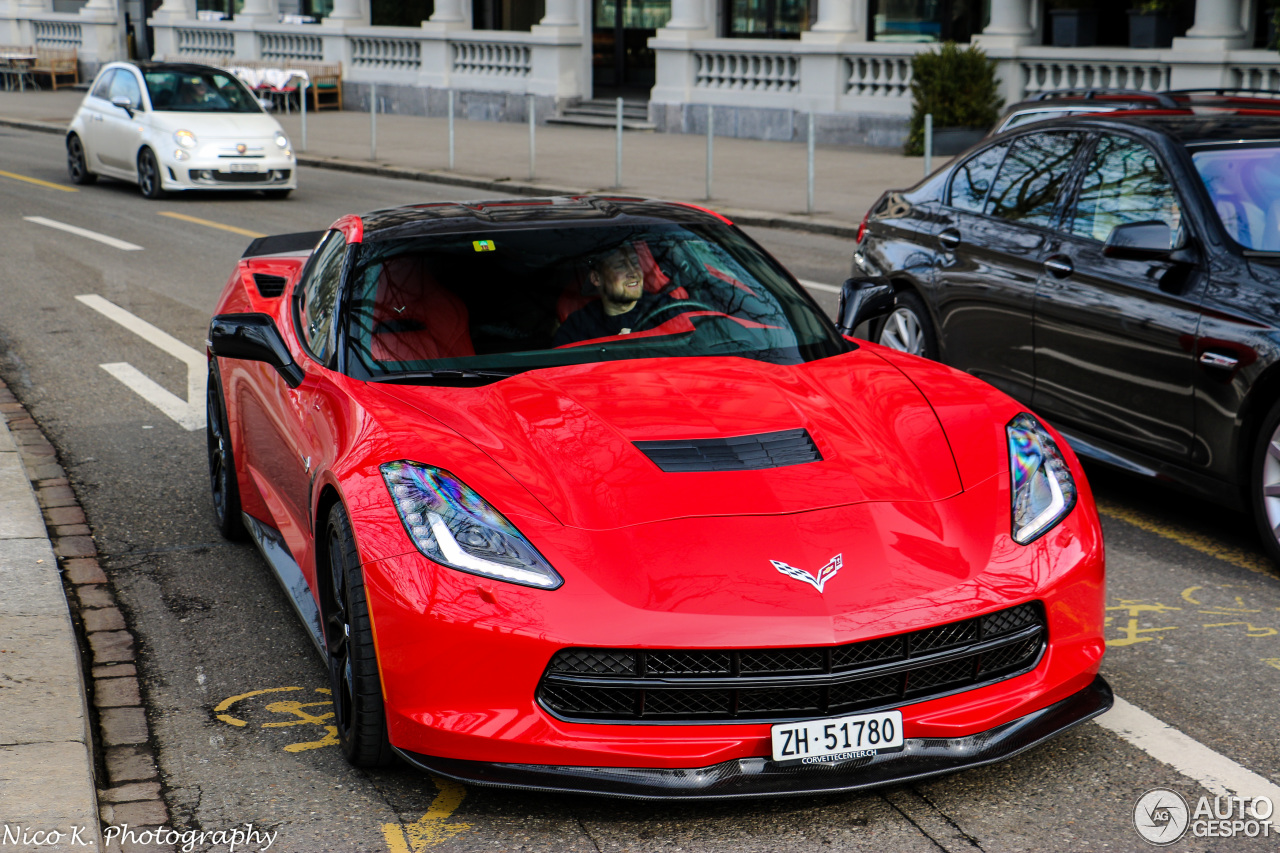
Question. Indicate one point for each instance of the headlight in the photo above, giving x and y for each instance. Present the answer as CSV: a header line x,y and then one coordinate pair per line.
x,y
185,138
452,525
1043,489
282,141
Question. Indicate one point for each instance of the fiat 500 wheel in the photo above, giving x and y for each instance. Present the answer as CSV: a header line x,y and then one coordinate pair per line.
x,y
909,328
77,166
149,175
358,712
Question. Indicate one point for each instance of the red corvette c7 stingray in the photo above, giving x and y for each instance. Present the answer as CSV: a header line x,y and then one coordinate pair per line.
x,y
588,494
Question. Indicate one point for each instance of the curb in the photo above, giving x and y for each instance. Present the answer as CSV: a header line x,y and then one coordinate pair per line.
x,y
127,788
753,218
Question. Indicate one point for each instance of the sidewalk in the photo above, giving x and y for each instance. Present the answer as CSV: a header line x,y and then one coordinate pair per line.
x,y
755,182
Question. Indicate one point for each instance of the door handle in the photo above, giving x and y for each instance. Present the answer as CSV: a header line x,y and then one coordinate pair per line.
x,y
950,239
1217,359
1059,266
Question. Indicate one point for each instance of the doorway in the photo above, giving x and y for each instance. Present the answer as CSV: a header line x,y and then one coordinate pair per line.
x,y
622,61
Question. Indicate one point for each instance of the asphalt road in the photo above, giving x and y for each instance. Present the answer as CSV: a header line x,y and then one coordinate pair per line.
x,y
235,692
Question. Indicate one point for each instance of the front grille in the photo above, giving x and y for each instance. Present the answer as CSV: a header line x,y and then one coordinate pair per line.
x,y
727,685
740,453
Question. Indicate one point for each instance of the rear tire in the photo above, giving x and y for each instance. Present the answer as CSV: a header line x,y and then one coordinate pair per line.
x,y
222,465
1264,483
77,165
358,711
149,175
908,328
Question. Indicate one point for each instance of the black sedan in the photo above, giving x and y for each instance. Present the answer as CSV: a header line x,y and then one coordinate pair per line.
x,y
1118,273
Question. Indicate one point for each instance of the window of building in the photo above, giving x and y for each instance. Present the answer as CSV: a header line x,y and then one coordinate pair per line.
x,y
507,14
400,13
768,19
927,20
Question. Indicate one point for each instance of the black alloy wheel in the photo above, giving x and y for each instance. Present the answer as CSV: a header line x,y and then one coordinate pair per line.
x,y
358,711
149,175
222,467
1264,483
909,328
77,166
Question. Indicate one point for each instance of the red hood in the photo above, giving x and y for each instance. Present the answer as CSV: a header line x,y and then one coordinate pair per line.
x,y
566,434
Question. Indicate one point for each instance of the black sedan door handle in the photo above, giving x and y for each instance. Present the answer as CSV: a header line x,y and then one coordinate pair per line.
x,y
949,239
1059,266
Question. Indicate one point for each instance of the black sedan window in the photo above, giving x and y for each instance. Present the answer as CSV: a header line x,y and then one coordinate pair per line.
x,y
1031,177
1244,182
974,176
1123,183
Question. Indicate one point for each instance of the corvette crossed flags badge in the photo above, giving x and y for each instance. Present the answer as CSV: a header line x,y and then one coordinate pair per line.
x,y
817,581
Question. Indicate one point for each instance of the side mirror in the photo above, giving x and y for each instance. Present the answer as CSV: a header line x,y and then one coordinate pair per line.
x,y
267,104
123,103
253,337
1139,241
862,299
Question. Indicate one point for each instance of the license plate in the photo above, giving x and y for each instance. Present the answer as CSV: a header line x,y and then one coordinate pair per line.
x,y
838,739
244,167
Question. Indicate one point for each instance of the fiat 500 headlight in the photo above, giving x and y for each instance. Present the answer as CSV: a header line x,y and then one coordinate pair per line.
x,y
1044,491
282,141
185,138
454,526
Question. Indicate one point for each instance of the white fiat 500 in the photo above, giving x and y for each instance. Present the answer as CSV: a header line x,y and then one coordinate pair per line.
x,y
174,126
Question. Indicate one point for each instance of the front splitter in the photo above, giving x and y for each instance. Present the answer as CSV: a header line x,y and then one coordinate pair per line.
x,y
763,777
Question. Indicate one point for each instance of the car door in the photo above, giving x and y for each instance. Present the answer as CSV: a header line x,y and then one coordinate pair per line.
x,y
288,431
96,107
119,132
990,264
1114,338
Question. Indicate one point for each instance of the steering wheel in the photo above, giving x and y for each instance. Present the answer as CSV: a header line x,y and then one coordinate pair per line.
x,y
682,304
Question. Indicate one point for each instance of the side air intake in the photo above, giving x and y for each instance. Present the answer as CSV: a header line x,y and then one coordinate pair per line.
x,y
270,286
740,453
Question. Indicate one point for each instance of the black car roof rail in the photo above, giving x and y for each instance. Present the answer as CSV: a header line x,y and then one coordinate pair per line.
x,y
1161,98
1225,90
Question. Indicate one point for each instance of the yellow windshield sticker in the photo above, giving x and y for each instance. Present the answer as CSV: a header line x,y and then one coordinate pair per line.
x,y
483,245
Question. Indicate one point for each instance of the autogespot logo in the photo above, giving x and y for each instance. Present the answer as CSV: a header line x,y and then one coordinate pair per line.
x,y
1161,816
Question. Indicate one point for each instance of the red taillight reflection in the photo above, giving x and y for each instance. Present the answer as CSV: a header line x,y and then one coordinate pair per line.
x,y
862,229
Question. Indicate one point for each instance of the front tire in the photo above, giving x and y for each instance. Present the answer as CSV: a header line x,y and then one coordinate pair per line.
x,y
77,165
222,465
149,175
358,711
1264,483
909,328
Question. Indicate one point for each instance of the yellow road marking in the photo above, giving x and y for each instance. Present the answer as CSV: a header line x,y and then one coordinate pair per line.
x,y
1195,541
431,828
208,223
39,182
227,703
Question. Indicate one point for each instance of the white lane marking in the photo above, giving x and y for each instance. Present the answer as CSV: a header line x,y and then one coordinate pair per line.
x,y
188,413
1216,773
816,285
84,232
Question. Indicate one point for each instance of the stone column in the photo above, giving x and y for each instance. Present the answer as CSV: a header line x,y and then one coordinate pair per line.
x,y
449,15
560,13
1217,27
837,22
690,19
260,11
1010,25
175,10
348,13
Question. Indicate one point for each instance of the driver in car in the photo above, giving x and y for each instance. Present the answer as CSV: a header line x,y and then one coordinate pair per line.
x,y
618,278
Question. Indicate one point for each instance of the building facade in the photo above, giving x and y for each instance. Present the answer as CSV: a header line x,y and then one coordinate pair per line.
x,y
764,65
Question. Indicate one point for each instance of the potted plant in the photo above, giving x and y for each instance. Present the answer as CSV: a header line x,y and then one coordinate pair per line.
x,y
1075,23
958,86
1151,23
1273,24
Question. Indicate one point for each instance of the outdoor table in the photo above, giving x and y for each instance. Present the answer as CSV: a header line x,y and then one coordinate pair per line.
x,y
18,66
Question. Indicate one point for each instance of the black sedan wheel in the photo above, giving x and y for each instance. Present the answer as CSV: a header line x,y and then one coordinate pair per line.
x,y
149,175
222,466
1265,483
77,166
358,712
909,328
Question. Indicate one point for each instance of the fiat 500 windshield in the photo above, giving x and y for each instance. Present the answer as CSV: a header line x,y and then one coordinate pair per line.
x,y
479,306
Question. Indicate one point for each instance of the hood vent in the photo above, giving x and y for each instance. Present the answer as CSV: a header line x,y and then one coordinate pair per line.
x,y
741,453
270,286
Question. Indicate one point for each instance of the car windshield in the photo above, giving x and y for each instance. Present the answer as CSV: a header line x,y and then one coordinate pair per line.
x,y
478,306
1243,180
199,91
